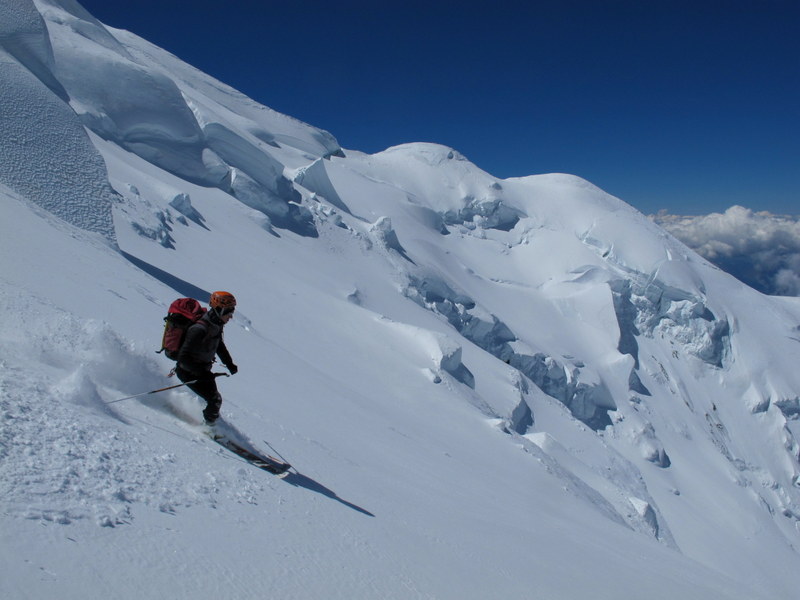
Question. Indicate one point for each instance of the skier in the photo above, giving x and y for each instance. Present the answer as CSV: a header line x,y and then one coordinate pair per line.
x,y
202,344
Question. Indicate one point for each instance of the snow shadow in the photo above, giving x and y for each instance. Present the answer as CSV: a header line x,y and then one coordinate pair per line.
x,y
300,480
184,288
294,478
183,204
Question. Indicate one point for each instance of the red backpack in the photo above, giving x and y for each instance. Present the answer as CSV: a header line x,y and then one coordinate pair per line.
x,y
182,313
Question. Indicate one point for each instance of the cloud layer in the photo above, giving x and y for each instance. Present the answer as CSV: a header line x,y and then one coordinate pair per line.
x,y
759,248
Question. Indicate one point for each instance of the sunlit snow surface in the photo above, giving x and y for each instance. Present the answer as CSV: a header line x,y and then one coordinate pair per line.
x,y
489,388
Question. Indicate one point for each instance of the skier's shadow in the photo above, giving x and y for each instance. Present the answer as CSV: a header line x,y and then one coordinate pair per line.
x,y
300,480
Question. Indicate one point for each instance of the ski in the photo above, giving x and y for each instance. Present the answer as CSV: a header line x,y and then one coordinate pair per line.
x,y
262,461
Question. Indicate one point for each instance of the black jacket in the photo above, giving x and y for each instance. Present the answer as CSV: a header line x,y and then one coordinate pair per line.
x,y
202,344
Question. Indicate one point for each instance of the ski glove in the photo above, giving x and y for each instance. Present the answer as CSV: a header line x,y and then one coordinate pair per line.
x,y
233,369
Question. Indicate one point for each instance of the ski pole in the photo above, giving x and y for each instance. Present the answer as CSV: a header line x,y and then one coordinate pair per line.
x,y
164,389
271,447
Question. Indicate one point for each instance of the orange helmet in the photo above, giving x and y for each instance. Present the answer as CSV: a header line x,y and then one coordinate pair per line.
x,y
222,300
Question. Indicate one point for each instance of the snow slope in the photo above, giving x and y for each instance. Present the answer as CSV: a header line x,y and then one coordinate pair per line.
x,y
488,387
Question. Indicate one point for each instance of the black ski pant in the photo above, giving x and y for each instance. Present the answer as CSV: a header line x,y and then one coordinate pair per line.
x,y
206,388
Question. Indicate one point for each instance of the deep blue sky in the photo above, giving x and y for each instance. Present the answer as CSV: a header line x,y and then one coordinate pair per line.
x,y
689,106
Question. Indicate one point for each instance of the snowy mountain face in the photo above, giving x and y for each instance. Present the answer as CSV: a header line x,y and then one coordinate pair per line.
x,y
488,388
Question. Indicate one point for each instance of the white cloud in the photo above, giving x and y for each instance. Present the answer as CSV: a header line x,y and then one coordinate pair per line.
x,y
760,248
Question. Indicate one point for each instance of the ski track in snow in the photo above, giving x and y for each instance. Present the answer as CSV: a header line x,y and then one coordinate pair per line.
x,y
67,455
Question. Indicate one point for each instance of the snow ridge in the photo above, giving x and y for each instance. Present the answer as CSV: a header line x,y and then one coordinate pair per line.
x,y
54,165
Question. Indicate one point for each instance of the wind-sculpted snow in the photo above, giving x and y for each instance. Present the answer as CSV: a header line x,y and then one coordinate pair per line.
x,y
315,178
166,121
257,180
53,164
24,37
588,403
445,181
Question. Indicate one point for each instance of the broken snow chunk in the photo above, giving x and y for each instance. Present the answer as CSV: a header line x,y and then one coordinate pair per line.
x,y
183,204
650,446
441,350
483,213
448,357
657,456
646,512
383,226
685,319
383,232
